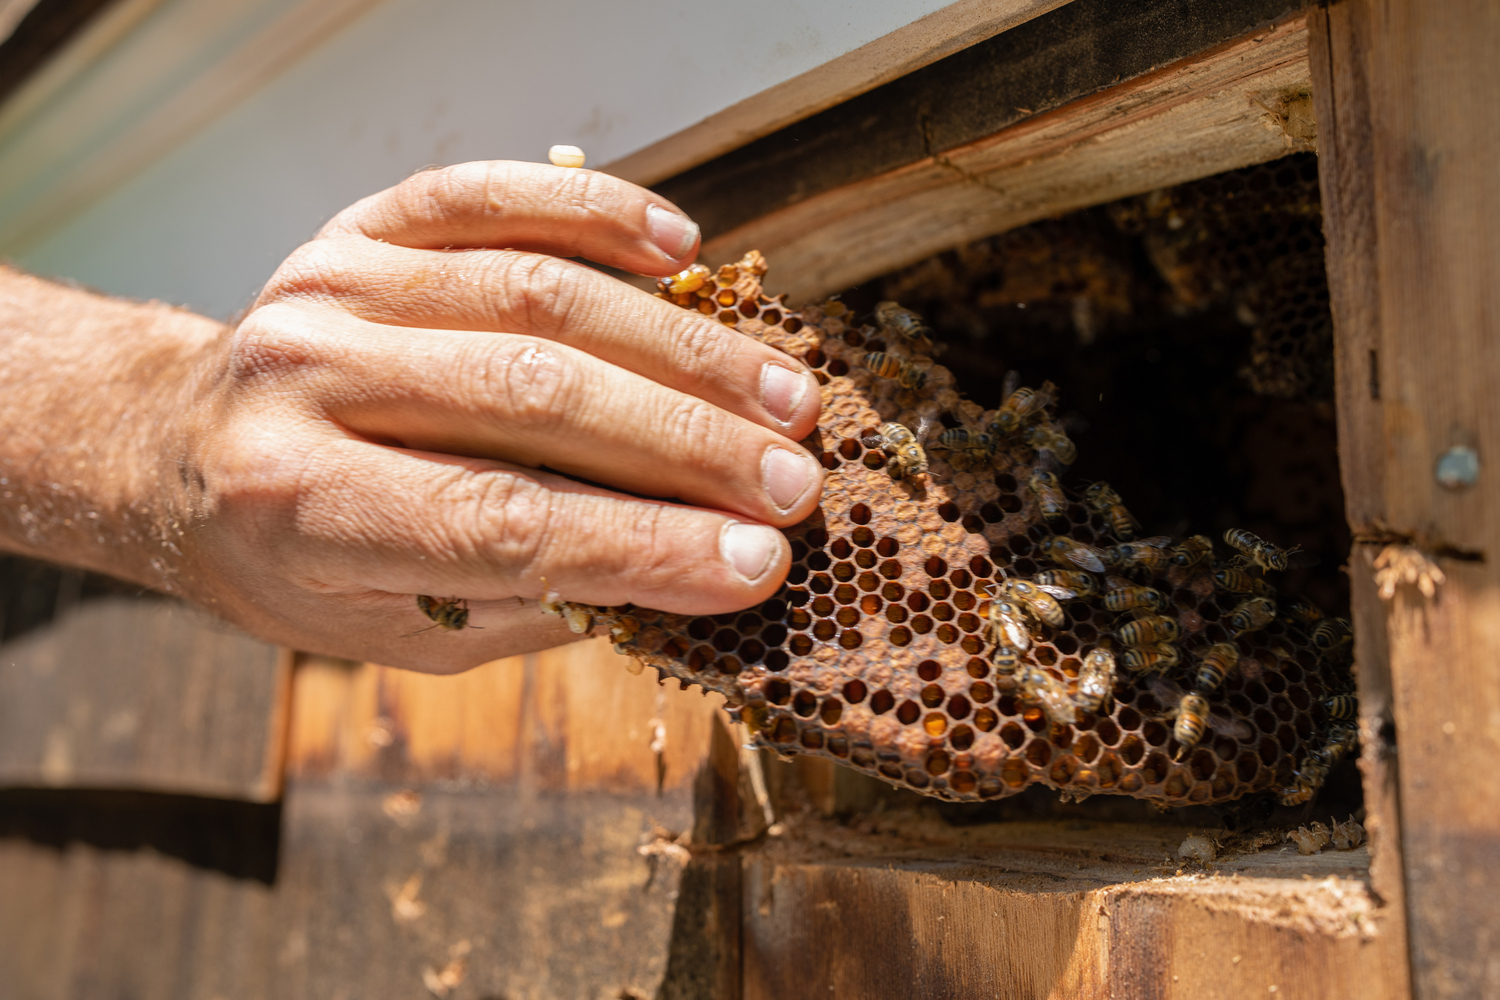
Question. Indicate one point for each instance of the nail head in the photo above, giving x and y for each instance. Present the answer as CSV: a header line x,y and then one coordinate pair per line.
x,y
1457,468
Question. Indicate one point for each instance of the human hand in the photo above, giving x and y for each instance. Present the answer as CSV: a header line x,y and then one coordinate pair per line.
x,y
404,412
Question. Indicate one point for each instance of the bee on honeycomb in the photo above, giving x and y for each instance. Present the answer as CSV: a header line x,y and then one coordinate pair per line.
x,y
881,650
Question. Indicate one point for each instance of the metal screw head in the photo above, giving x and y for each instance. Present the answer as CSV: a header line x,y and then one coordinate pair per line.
x,y
1457,468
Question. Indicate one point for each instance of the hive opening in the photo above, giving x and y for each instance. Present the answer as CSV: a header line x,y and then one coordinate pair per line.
x,y
1177,346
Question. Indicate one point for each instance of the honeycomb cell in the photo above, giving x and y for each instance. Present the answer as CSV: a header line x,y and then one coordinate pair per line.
x,y
882,701
777,659
939,590
986,720
860,514
812,739
847,616
977,668
1039,753
751,650
778,691
893,592
981,692
918,601
888,547
855,691
824,629
851,639
870,604
935,724
908,713
921,624
890,569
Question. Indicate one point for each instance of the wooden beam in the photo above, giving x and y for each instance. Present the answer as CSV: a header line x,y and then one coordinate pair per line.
x,y
1341,93
1429,75
918,44
1197,117
103,687
1079,49
1025,925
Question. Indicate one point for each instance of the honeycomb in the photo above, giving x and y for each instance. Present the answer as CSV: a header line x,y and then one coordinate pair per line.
x,y
876,650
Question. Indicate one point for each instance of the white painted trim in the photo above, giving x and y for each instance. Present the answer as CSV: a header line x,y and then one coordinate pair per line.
x,y
919,44
93,117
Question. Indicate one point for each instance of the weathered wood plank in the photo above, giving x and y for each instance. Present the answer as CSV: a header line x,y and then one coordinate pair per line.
x,y
1079,49
1189,120
1342,98
1429,251
567,719
996,926
105,687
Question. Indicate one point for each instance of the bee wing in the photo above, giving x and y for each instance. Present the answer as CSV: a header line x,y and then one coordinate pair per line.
x,y
1061,593
920,431
1224,725
1156,541
1165,691
1086,559
1301,560
1010,384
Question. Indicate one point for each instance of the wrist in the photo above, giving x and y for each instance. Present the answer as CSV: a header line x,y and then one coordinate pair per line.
x,y
88,470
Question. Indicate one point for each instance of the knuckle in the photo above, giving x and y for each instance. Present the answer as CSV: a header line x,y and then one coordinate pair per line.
x,y
536,290
512,521
313,270
693,427
269,345
531,382
703,352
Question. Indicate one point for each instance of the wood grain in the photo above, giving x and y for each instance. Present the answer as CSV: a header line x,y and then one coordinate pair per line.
x,y
567,719
1000,926
103,687
1188,120
1419,288
1341,94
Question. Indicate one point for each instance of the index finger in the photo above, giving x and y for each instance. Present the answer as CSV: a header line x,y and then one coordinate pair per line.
x,y
562,211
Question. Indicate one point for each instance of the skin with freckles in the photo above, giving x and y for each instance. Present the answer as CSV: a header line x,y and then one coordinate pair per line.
x,y
409,410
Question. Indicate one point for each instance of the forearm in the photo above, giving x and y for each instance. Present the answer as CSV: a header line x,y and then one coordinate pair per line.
x,y
86,384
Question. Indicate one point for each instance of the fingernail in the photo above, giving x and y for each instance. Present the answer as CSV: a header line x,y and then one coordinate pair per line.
x,y
749,549
673,234
787,476
782,391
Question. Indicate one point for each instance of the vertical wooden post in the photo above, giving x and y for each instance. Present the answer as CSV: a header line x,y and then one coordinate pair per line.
x,y
1410,131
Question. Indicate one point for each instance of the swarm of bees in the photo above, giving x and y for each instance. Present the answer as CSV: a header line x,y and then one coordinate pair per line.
x,y
962,620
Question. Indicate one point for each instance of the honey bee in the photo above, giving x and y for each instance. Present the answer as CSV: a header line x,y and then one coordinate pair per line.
x,y
1096,680
1194,717
1103,498
1331,633
1036,600
906,374
447,613
893,319
1044,437
907,459
1159,658
1039,686
1192,720
1315,767
1342,707
1130,598
580,621
1067,584
1066,552
1237,581
1149,630
1259,552
1008,625
1020,406
1049,494
1193,551
1006,661
1300,609
1215,664
1256,613
976,444
684,282
623,630
1149,554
